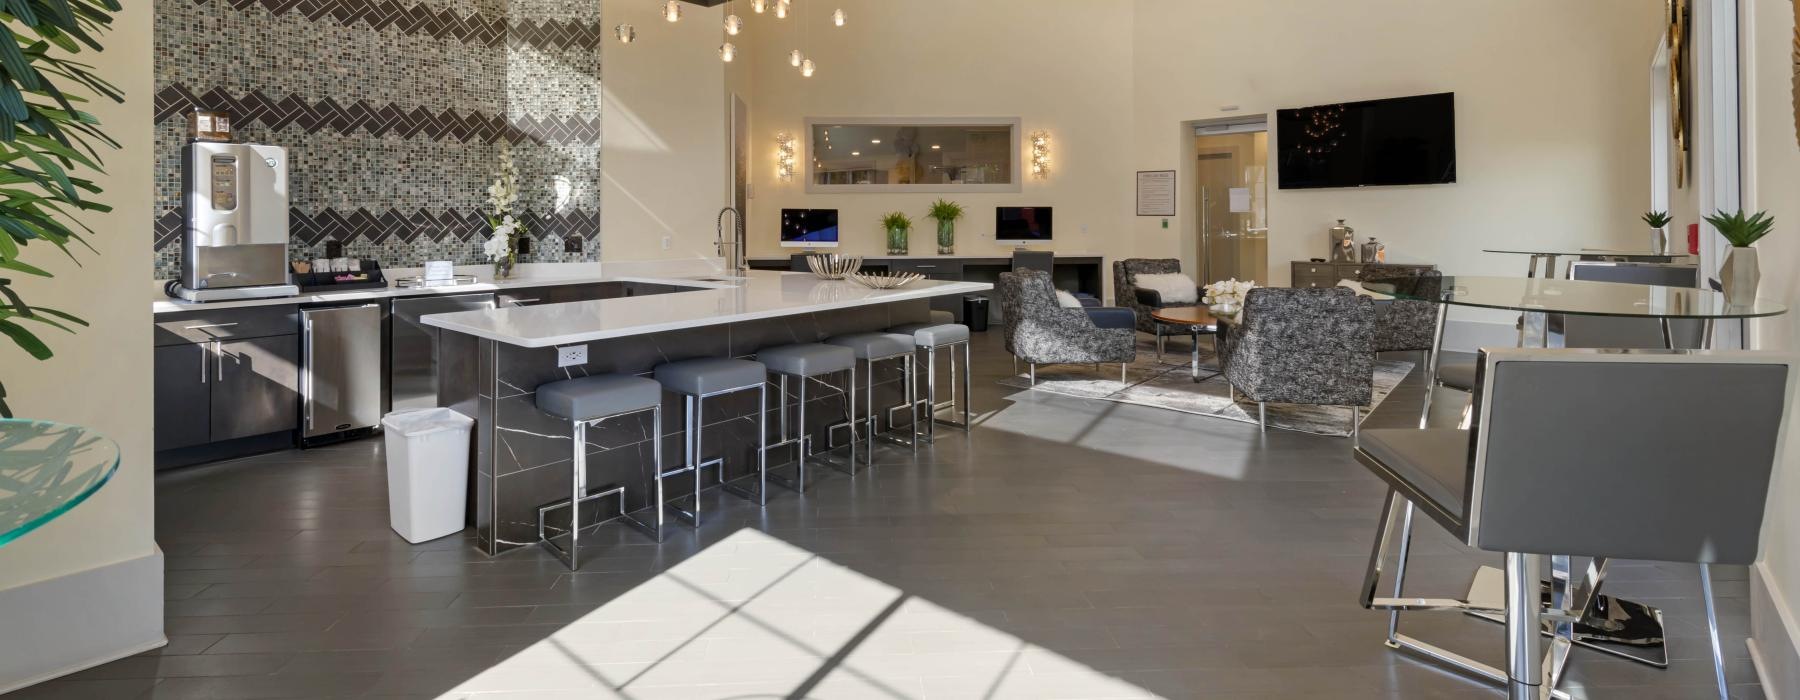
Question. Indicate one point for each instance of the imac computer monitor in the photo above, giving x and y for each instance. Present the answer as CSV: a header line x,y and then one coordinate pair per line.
x,y
1022,225
809,228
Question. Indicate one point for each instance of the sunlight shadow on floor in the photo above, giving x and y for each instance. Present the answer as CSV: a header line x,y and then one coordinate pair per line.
x,y
756,617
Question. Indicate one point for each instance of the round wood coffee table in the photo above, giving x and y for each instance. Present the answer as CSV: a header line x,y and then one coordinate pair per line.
x,y
1197,320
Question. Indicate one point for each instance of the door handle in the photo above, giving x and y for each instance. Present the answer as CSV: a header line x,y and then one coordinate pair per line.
x,y
204,351
219,360
522,302
208,325
306,374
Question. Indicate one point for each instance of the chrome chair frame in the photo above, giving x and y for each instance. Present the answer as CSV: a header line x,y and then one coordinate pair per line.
x,y
803,439
578,494
872,418
932,407
693,430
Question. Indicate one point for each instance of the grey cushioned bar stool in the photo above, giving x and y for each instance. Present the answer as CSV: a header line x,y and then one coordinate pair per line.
x,y
585,401
696,381
807,362
932,337
871,348
1639,454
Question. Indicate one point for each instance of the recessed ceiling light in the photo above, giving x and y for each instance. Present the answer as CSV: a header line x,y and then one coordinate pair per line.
x,y
856,153
935,147
875,141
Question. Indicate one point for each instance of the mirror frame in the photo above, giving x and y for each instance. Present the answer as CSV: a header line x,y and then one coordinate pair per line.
x,y
1018,171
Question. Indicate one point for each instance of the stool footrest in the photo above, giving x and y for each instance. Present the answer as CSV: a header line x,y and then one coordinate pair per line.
x,y
566,556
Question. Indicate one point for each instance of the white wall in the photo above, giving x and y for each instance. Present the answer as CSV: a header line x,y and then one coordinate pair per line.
x,y
1772,144
101,377
663,153
1552,112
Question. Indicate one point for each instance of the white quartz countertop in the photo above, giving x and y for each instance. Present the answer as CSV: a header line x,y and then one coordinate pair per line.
x,y
762,294
566,274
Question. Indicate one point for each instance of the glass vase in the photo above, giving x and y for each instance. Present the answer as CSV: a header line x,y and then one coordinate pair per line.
x,y
946,238
896,240
503,268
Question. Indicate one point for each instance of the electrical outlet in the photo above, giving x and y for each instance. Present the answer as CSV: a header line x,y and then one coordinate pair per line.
x,y
668,242
571,355
572,244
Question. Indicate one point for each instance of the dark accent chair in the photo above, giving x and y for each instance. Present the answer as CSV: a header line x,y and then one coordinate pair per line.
x,y
1142,301
1303,346
1553,429
1042,332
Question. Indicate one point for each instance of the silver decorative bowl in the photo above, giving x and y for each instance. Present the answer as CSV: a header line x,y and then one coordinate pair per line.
x,y
833,266
886,281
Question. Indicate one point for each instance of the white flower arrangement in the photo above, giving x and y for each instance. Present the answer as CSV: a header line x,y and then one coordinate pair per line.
x,y
502,195
1228,296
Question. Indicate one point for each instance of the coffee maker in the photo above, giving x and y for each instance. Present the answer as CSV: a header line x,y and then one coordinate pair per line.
x,y
235,244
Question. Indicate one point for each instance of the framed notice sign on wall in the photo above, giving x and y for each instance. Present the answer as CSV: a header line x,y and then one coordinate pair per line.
x,y
1156,193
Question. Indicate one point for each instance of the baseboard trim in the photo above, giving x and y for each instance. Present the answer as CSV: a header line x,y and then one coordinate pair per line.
x,y
1774,638
81,620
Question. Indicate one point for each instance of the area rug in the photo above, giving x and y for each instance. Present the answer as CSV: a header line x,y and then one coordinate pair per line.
x,y
1167,384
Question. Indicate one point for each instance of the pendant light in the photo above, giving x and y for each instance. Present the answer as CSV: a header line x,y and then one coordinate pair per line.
x,y
758,6
733,24
727,51
806,68
837,18
795,58
781,9
626,33
672,11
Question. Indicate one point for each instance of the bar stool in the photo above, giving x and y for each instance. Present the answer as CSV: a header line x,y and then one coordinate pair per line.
x,y
871,348
586,401
932,337
806,362
696,381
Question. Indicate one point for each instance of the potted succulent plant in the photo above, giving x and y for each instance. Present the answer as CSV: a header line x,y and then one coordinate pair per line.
x,y
1741,274
898,227
1659,231
946,213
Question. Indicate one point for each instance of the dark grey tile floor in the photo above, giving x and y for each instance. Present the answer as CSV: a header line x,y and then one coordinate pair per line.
x,y
1066,548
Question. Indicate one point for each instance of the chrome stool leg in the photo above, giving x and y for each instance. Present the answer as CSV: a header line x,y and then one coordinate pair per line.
x,y
578,491
1712,629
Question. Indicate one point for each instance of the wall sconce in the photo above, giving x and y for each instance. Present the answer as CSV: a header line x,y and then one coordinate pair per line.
x,y
784,156
1040,154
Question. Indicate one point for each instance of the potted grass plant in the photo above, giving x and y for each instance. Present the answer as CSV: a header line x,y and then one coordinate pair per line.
x,y
898,227
46,141
946,213
1741,273
1659,231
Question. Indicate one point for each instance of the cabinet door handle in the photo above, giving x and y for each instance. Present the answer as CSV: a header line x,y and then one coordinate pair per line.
x,y
522,302
204,351
924,267
218,360
208,325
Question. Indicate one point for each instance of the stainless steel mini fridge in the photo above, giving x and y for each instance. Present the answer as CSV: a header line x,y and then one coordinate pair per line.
x,y
340,371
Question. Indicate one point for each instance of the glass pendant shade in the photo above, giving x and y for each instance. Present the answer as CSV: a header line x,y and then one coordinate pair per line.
x,y
672,11
837,18
626,33
733,24
806,68
781,9
727,52
758,6
795,58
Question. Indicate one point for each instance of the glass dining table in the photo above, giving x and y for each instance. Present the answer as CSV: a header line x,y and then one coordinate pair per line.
x,y
1548,256
1610,625
46,469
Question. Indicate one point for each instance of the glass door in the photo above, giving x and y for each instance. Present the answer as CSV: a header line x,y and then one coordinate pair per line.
x,y
1234,197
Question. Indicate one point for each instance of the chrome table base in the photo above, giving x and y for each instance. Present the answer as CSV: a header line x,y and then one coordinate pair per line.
x,y
1622,628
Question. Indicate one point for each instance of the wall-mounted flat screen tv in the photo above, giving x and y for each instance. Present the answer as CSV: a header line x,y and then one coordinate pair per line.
x,y
1398,141
809,228
1022,224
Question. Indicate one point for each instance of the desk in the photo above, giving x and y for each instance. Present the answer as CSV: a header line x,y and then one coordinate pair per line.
x,y
1075,272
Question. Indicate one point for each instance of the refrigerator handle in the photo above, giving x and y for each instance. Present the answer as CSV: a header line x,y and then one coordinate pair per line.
x,y
306,370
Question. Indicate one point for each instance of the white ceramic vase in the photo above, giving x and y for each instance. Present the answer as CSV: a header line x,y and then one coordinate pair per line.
x,y
1659,240
1740,275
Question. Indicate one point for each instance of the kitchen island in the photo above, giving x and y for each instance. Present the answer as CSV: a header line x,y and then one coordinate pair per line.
x,y
493,361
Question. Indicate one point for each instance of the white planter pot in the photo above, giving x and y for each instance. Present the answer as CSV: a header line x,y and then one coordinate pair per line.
x,y
1659,240
1740,276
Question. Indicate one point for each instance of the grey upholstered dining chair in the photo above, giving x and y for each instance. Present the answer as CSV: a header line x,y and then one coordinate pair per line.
x,y
1603,332
1142,301
1040,331
1662,455
1303,346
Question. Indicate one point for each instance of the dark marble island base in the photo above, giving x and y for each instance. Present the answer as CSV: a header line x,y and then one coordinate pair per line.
x,y
522,455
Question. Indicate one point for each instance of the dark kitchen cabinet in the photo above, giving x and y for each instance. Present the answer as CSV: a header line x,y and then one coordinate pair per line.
x,y
255,387
183,395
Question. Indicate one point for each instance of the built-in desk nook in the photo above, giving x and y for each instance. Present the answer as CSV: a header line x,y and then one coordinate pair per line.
x,y
1082,273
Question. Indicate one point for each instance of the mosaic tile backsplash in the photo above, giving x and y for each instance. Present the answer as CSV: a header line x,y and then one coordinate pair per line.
x,y
394,116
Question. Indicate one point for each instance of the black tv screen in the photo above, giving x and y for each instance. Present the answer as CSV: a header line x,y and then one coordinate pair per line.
x,y
1022,223
1398,141
809,227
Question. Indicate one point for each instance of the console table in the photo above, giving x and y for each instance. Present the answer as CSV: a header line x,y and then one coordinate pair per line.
x,y
1079,272
1328,274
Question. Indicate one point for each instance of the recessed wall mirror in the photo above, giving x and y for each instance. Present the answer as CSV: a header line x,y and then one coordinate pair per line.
x,y
912,155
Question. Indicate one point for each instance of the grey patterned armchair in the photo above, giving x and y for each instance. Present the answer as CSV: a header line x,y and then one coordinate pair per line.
x,y
1303,346
1042,332
1141,301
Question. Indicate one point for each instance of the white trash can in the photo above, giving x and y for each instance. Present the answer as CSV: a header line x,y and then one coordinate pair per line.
x,y
428,471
